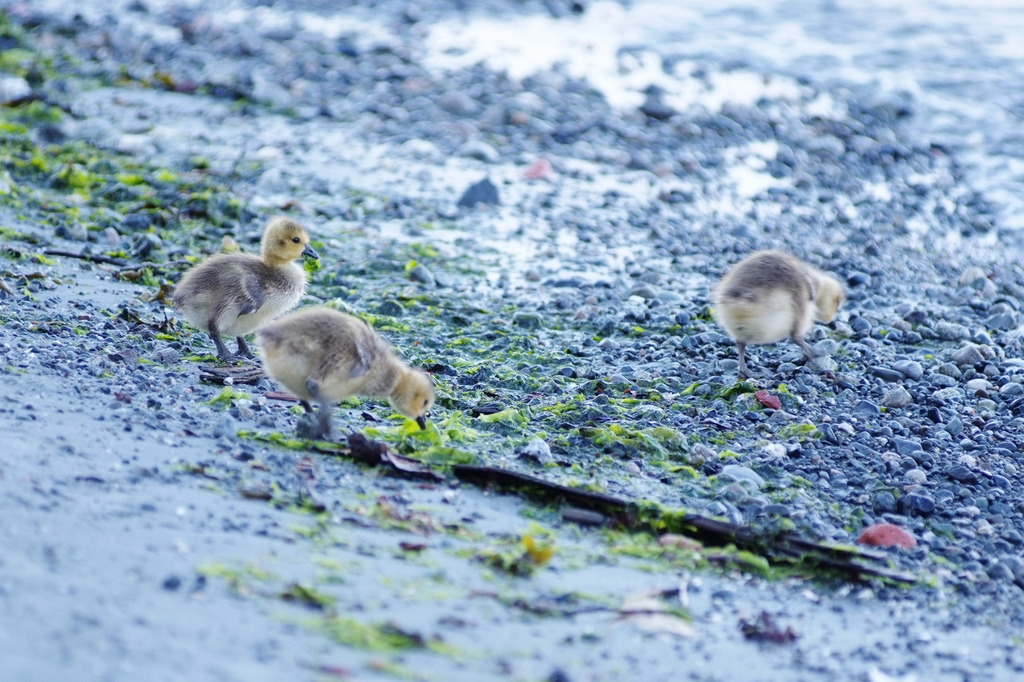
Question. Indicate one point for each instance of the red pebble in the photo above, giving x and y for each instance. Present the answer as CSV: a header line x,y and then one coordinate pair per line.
x,y
541,168
768,400
886,535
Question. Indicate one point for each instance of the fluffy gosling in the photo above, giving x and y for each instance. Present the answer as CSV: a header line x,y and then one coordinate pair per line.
x,y
235,293
325,356
770,295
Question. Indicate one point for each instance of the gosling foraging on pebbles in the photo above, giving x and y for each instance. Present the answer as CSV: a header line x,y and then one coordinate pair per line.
x,y
325,356
234,293
770,295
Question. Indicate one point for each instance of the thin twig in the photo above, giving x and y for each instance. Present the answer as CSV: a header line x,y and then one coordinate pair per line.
x,y
107,260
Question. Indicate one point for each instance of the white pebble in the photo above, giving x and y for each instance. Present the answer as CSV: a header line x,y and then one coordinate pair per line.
x,y
916,476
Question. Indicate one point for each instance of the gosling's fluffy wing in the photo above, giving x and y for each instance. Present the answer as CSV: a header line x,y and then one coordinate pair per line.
x,y
251,294
365,355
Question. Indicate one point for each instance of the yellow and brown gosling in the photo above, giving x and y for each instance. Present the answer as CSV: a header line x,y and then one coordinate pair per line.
x,y
770,295
235,293
325,356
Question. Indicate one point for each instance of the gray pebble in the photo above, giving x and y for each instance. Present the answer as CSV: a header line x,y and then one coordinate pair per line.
x,y
1003,321
645,291
954,426
225,428
911,369
457,102
961,474
537,450
884,502
948,395
978,386
822,363
165,356
916,477
528,320
13,88
1011,390
897,397
950,331
968,355
391,308
942,380
478,149
866,408
741,474
483,192
906,447
421,273
699,454
886,373
1000,571
915,504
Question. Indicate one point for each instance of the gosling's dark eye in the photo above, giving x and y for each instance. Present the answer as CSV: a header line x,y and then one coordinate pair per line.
x,y
295,240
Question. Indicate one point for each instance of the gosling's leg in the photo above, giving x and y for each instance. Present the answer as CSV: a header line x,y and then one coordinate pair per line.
x,y
314,426
742,347
222,350
324,419
799,340
243,348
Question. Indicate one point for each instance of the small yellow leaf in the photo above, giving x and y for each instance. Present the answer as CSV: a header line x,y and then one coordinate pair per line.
x,y
540,554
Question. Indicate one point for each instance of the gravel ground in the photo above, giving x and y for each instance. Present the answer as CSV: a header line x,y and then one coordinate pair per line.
x,y
544,244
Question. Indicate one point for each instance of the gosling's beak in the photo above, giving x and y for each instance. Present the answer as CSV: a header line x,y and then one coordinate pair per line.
x,y
422,422
311,252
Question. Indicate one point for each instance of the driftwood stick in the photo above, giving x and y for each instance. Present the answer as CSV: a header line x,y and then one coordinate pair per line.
x,y
712,531
106,260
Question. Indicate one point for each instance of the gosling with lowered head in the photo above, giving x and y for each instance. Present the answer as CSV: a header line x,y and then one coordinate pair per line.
x,y
325,356
770,295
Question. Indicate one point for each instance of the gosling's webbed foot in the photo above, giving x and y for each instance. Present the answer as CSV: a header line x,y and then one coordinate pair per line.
x,y
243,349
806,347
310,427
223,354
315,425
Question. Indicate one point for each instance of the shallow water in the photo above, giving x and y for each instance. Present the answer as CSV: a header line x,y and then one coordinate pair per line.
x,y
961,61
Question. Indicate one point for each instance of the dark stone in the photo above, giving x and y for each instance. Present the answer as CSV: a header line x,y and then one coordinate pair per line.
x,y
584,517
528,320
915,504
959,472
887,374
1000,571
860,325
906,447
655,107
884,502
138,221
1002,321
483,192
866,408
858,279
391,308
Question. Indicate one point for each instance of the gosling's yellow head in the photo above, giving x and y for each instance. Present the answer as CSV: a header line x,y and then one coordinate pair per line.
x,y
284,240
830,297
413,396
